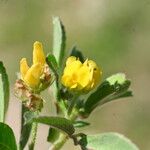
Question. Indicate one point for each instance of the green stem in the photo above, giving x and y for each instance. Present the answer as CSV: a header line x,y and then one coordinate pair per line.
x,y
74,114
72,104
25,130
63,137
61,105
60,142
23,110
33,133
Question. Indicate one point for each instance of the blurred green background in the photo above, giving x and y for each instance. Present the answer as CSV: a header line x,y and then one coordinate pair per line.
x,y
115,33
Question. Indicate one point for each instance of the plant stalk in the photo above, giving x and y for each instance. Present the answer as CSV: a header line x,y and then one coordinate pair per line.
x,y
57,145
72,104
60,142
33,134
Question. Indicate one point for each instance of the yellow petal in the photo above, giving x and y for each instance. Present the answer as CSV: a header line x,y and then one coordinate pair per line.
x,y
64,80
95,72
85,63
70,76
72,68
69,81
74,86
97,76
92,64
84,76
70,60
38,54
23,67
32,77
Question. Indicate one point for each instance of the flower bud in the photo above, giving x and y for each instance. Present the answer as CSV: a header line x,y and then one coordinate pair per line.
x,y
38,75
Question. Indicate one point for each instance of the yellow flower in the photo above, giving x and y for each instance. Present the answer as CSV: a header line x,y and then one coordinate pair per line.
x,y
31,75
81,76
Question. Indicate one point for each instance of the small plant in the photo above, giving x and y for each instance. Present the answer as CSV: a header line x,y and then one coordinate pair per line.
x,y
69,83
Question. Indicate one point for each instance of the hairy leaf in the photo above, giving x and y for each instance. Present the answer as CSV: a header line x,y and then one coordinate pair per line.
x,y
112,88
107,141
59,39
60,123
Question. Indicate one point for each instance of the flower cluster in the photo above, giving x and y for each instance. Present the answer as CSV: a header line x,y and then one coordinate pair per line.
x,y
77,76
34,75
34,79
81,76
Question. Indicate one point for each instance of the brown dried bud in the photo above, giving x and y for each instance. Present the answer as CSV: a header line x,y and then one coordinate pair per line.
x,y
29,99
21,90
46,76
34,103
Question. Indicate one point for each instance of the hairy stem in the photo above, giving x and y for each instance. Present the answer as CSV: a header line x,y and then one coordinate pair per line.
x,y
33,133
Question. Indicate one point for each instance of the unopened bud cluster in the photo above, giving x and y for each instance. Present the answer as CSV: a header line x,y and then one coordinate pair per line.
x,y
33,79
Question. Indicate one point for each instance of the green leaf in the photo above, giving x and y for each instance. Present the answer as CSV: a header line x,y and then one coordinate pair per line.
x,y
107,141
126,94
77,53
112,88
3,147
53,135
120,78
7,138
60,123
51,61
80,124
4,92
59,39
